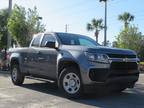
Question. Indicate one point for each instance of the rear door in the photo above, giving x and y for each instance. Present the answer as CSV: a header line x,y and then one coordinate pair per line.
x,y
47,57
32,56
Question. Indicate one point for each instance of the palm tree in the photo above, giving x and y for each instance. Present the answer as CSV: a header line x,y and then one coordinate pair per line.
x,y
95,25
126,18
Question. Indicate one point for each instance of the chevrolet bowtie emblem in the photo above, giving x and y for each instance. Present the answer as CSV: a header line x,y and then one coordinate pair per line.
x,y
125,60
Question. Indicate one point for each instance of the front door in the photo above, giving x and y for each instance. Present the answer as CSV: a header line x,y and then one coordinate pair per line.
x,y
47,61
47,57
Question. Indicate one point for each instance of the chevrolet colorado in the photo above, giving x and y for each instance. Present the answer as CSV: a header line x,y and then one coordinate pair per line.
x,y
75,62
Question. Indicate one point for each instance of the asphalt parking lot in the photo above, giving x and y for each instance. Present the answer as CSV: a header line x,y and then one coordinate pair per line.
x,y
38,94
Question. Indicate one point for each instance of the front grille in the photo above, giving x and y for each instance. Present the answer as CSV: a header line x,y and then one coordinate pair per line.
x,y
121,56
124,66
98,74
123,73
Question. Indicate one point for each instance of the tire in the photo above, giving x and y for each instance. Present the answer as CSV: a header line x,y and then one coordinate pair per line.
x,y
16,76
119,90
70,82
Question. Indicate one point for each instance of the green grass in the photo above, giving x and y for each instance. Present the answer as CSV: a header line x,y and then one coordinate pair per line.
x,y
142,63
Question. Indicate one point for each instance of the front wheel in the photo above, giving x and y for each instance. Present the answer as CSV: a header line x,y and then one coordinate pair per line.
x,y
16,76
119,90
70,82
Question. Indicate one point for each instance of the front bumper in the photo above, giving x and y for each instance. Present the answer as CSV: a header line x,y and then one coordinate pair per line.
x,y
104,75
105,87
104,78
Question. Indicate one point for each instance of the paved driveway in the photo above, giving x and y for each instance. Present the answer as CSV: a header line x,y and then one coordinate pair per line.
x,y
38,94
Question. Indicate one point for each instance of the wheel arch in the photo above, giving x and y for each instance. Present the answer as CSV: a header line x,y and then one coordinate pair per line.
x,y
66,63
15,58
14,61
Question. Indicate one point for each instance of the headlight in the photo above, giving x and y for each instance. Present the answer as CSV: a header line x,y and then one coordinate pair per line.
x,y
97,57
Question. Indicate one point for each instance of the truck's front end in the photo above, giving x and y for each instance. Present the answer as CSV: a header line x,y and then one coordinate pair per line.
x,y
108,67
101,66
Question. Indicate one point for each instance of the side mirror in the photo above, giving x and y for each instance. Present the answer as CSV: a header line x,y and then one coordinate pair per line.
x,y
50,44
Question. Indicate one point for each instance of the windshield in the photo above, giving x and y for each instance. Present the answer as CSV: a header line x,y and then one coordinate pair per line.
x,y
73,39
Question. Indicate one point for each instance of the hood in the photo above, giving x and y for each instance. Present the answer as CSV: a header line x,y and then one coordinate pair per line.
x,y
99,49
107,50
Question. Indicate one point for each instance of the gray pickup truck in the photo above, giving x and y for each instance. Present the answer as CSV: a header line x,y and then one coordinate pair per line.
x,y
75,62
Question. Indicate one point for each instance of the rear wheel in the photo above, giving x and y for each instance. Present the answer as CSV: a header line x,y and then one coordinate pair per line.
x,y
16,76
70,82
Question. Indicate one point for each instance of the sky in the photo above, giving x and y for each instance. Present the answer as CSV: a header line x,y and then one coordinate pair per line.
x,y
77,13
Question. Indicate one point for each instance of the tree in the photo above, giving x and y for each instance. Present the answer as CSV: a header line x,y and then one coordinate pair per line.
x,y
23,24
126,18
108,44
3,27
34,22
131,38
18,26
95,25
114,44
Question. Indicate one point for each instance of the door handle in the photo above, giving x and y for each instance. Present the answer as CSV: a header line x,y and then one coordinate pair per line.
x,y
25,59
40,58
38,52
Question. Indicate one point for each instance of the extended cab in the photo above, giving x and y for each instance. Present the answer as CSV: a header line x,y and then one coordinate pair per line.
x,y
77,63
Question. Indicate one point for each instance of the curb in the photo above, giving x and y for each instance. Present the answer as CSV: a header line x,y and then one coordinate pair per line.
x,y
4,72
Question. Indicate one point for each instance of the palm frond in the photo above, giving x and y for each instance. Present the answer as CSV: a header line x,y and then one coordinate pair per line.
x,y
126,17
89,27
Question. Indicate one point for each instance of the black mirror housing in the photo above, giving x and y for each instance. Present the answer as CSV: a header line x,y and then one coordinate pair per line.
x,y
50,44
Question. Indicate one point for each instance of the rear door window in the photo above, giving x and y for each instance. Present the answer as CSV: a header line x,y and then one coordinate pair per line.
x,y
36,41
